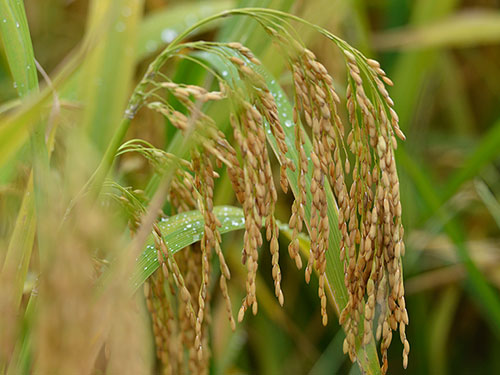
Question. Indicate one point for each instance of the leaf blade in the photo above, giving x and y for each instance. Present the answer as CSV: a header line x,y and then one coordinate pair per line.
x,y
108,69
367,356
161,27
18,48
183,230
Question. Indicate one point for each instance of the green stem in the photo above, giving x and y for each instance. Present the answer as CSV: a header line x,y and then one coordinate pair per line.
x,y
96,181
138,94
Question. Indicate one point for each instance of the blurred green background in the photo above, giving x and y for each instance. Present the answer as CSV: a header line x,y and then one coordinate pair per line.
x,y
444,58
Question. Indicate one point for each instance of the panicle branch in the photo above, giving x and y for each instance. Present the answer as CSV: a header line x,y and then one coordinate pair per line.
x,y
352,152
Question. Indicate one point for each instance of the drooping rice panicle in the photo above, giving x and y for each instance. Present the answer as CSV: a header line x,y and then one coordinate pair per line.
x,y
354,157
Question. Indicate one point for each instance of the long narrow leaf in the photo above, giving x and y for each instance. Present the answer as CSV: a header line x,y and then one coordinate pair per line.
x,y
334,267
460,30
489,200
479,288
18,48
486,151
108,69
19,51
160,28
419,63
20,56
183,230
15,266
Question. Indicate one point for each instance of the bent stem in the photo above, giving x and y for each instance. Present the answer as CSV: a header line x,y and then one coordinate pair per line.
x,y
335,271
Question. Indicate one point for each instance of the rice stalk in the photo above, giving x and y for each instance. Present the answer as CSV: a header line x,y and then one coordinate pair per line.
x,y
369,210
178,296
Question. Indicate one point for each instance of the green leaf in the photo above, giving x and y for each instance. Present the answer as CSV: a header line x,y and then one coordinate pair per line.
x,y
332,358
15,126
19,51
18,48
17,259
20,56
369,362
367,356
419,63
183,230
489,200
465,29
109,68
16,40
440,325
486,151
478,287
160,28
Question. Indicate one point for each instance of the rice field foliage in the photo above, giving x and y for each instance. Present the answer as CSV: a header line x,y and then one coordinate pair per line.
x,y
142,226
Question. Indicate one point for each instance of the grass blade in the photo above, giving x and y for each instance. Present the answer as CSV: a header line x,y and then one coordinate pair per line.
x,y
489,200
16,40
332,358
369,361
406,92
334,268
18,48
160,28
20,56
440,327
108,69
486,151
460,30
15,266
183,230
480,290
15,127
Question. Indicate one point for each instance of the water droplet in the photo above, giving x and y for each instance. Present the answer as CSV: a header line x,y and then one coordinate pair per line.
x,y
17,25
28,67
15,85
120,27
167,35
273,82
225,73
4,20
145,268
126,12
288,124
151,46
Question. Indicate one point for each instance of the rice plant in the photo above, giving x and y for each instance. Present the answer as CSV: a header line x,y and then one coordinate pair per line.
x,y
127,184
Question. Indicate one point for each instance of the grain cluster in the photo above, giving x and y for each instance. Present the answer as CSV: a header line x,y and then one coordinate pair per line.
x,y
352,152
